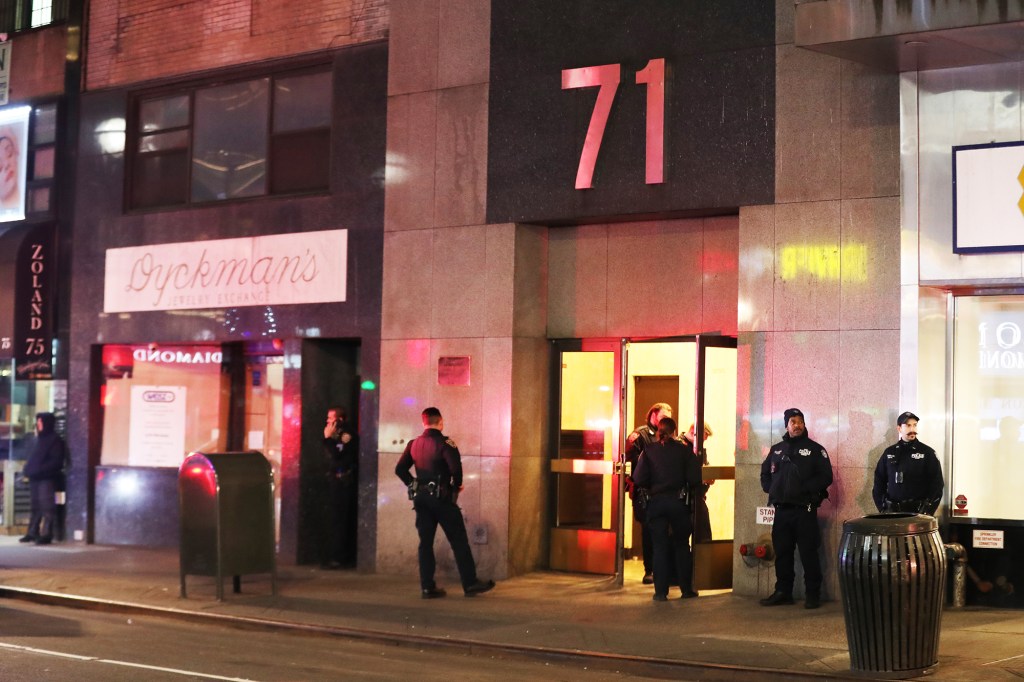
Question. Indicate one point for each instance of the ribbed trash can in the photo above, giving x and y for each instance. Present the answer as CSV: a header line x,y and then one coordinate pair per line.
x,y
892,575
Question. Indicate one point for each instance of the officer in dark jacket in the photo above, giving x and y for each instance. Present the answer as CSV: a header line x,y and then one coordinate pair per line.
x,y
435,491
636,443
671,472
908,476
341,455
796,475
44,471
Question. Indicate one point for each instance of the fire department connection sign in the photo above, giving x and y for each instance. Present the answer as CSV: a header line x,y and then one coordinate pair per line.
x,y
988,197
303,267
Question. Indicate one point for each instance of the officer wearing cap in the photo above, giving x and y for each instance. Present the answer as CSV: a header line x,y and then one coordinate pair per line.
x,y
796,475
908,477
434,492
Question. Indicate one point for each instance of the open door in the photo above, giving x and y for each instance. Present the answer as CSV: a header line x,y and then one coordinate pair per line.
x,y
603,390
716,408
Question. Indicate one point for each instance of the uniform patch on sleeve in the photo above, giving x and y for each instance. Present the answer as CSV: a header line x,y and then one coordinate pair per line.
x,y
451,443
824,454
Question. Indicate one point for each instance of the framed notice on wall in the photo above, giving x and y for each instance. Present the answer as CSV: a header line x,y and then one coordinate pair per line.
x,y
156,434
988,197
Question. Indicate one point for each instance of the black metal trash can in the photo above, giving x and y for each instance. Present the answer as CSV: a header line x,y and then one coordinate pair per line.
x,y
227,517
892,575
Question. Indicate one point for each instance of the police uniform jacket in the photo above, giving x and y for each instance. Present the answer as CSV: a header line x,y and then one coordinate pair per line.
x,y
668,468
921,475
436,459
797,471
342,458
638,442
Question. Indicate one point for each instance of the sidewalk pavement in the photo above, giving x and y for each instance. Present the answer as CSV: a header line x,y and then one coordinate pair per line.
x,y
539,615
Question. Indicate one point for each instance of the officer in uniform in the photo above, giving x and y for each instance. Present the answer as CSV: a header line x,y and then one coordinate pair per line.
x,y
671,472
434,492
636,443
908,477
341,454
796,475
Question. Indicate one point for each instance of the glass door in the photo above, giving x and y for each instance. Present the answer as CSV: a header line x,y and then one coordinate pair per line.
x,y
715,409
586,479
264,384
604,390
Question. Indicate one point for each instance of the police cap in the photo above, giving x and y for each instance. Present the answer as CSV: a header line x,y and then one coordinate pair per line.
x,y
905,417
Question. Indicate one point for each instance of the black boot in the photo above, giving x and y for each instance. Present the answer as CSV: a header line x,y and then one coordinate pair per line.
x,y
777,599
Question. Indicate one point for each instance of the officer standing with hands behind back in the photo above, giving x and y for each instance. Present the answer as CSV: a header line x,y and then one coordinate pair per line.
x,y
908,477
434,493
796,475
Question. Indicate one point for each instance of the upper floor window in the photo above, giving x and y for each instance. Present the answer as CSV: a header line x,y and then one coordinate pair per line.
x,y
19,15
249,138
39,199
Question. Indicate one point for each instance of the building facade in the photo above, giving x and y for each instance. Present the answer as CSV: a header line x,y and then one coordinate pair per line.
x,y
540,218
227,271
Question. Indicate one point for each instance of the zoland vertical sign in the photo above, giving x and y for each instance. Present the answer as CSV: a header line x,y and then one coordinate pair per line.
x,y
26,326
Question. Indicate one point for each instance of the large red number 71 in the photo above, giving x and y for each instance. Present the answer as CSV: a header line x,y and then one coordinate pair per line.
x,y
607,78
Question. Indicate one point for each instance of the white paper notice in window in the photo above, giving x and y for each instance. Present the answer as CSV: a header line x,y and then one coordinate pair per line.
x,y
156,432
280,269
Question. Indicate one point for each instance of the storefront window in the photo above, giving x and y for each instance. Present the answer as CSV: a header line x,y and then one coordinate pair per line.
x,y
162,402
988,407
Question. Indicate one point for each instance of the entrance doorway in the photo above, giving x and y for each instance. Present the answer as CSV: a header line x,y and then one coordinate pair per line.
x,y
602,385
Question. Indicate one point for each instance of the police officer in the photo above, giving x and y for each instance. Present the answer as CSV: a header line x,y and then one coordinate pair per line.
x,y
796,475
671,472
341,454
636,443
908,476
435,491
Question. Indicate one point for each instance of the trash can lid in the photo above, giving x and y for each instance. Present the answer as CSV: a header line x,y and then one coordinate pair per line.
x,y
892,523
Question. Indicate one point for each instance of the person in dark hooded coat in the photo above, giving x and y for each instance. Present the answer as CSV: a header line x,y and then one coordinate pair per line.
x,y
44,470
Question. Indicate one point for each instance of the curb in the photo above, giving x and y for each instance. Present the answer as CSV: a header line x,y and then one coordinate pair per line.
x,y
623,663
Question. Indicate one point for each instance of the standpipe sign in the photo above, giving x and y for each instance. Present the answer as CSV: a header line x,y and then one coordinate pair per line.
x,y
988,197
304,267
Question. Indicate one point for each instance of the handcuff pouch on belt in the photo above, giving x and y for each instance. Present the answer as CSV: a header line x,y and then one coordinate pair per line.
x,y
435,489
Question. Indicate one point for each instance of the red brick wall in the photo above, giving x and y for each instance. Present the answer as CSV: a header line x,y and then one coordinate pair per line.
x,y
37,64
131,41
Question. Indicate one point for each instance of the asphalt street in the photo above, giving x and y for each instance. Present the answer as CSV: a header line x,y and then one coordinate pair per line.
x,y
39,643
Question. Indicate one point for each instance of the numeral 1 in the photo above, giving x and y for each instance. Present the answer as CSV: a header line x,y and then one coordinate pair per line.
x,y
654,76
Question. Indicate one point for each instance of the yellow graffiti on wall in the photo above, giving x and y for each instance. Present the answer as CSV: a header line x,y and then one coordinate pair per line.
x,y
825,262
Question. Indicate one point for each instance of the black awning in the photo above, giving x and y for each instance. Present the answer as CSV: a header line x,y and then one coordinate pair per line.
x,y
27,264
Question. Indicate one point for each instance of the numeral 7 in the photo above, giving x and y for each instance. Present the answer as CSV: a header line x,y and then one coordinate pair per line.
x,y
607,78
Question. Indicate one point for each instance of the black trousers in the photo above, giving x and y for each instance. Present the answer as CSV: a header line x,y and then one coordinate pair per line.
x,y
431,512
794,529
44,508
671,552
341,521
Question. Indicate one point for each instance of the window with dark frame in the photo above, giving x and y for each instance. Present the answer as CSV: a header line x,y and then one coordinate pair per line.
x,y
23,15
247,138
42,161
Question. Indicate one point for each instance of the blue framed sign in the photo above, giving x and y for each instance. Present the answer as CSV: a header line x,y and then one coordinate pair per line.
x,y
988,197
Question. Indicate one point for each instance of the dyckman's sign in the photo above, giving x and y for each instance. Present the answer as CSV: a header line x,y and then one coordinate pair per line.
x,y
280,269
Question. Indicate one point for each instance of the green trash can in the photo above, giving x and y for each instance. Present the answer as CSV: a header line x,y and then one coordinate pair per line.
x,y
227,517
892,575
